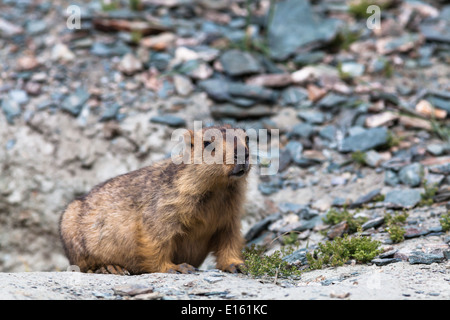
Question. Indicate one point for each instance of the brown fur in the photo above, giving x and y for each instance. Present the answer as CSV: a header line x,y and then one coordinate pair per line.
x,y
158,218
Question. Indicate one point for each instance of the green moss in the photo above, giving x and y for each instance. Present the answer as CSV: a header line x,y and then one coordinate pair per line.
x,y
340,250
258,264
335,216
445,221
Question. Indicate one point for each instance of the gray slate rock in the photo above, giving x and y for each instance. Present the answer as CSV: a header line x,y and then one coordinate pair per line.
x,y
411,175
75,102
11,109
402,198
366,140
417,257
294,25
169,120
239,63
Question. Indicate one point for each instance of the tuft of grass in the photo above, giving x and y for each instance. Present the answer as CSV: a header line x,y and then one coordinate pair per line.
x,y
395,226
445,221
135,5
109,5
359,157
358,8
335,216
258,264
429,193
441,131
340,250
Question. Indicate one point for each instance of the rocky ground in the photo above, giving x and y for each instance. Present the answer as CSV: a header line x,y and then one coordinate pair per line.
x,y
363,116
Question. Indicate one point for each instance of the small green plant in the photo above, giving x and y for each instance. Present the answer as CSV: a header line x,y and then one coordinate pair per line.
x,y
359,157
335,216
340,250
109,5
135,5
358,8
392,140
442,131
258,264
429,193
445,221
290,238
396,233
395,226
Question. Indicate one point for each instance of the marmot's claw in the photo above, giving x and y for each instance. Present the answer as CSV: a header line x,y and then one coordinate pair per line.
x,y
183,268
234,268
111,269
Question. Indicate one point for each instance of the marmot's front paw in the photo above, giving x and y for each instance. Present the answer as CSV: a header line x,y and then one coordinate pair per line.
x,y
110,269
233,268
182,268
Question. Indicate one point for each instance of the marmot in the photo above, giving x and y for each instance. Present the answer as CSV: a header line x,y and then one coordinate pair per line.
x,y
162,218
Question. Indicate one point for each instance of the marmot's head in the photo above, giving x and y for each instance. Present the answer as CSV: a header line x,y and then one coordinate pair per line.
x,y
222,151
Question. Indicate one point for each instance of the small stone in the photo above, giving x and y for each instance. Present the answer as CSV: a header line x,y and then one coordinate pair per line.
x,y
365,198
373,223
403,198
243,90
297,257
414,232
27,63
216,89
293,96
302,130
160,42
74,102
61,52
332,100
311,116
384,262
391,178
228,110
238,63
426,109
169,120
338,230
412,174
436,149
417,257
366,140
380,119
315,93
260,226
274,80
197,69
11,109
19,96
132,290
129,64
352,69
295,149
183,85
